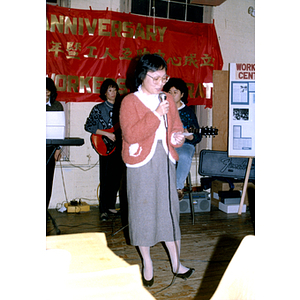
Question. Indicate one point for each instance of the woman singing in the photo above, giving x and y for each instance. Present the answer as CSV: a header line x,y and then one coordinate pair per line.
x,y
150,156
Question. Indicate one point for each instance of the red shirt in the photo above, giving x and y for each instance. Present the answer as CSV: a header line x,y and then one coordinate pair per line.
x,y
139,124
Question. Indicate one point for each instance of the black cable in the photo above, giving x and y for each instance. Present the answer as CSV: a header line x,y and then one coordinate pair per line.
x,y
172,218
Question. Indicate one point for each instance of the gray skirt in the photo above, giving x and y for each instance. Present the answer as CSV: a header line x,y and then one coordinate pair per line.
x,y
153,207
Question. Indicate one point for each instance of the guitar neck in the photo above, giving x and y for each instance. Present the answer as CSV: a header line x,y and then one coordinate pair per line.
x,y
206,131
194,130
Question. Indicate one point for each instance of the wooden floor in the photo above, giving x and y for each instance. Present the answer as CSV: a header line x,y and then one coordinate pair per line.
x,y
207,246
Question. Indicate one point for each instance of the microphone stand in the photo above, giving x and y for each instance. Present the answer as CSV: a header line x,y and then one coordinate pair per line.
x,y
113,234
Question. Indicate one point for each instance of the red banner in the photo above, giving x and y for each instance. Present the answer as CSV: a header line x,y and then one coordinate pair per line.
x,y
84,47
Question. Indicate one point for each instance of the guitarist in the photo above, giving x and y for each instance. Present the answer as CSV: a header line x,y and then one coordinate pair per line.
x,y
178,89
104,116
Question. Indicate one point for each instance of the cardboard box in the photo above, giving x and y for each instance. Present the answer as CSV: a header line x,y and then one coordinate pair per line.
x,y
82,207
231,208
217,186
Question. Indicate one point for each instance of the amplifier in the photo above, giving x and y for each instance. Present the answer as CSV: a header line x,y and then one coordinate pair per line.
x,y
201,202
218,164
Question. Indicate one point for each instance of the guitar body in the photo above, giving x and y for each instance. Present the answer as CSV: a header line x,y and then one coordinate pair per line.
x,y
102,144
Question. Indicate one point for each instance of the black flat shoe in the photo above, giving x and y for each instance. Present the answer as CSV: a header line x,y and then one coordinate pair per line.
x,y
104,217
147,283
186,275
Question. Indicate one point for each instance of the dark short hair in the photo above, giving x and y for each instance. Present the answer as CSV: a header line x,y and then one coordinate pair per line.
x,y
107,83
50,86
148,62
179,84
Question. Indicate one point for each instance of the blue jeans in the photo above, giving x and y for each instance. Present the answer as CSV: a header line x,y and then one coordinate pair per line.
x,y
185,153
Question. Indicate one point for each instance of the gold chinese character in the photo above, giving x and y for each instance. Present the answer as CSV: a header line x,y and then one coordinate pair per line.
x,y
107,54
160,53
141,52
91,53
126,54
191,60
207,60
72,49
55,48
173,61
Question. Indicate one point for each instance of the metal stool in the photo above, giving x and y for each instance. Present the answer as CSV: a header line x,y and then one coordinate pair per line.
x,y
190,191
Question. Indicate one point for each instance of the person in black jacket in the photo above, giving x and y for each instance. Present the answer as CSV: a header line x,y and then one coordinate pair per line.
x,y
51,105
178,89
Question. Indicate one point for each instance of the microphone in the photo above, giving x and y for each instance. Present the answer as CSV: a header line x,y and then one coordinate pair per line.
x,y
163,97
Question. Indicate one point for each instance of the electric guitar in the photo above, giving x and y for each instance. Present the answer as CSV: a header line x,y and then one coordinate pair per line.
x,y
102,144
105,146
206,131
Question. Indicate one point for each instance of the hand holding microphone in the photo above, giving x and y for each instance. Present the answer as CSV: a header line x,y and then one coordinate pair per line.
x,y
163,107
162,110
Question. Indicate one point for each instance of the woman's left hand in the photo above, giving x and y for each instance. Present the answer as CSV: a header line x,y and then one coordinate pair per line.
x,y
57,155
188,137
179,137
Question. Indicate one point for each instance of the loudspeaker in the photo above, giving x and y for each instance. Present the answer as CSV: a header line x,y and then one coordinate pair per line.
x,y
201,202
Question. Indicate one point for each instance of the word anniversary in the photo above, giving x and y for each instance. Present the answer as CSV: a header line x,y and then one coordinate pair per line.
x,y
104,27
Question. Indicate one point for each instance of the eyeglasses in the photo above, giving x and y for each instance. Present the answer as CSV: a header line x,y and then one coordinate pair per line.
x,y
157,79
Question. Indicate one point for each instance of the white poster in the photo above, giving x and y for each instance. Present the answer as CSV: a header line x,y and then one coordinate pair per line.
x,y
241,110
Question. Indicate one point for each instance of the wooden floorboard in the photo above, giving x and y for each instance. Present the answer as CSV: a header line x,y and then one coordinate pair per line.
x,y
207,246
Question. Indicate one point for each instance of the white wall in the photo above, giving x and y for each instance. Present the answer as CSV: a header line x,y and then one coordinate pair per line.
x,y
235,29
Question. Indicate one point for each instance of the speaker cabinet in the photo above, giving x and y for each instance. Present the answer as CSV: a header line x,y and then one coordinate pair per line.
x,y
201,202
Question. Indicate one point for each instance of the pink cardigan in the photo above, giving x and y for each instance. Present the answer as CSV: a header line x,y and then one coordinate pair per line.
x,y
139,124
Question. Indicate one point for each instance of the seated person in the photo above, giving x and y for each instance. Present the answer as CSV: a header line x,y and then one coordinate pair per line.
x,y
178,89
